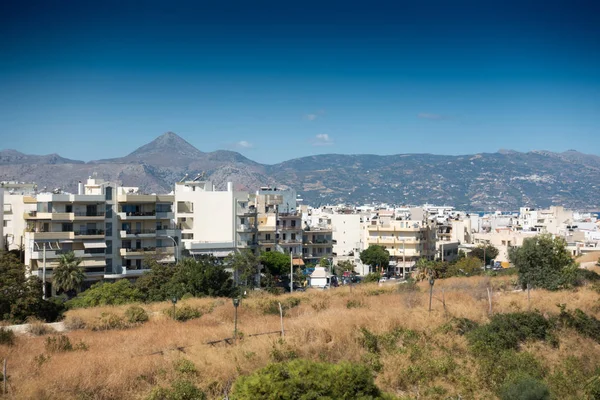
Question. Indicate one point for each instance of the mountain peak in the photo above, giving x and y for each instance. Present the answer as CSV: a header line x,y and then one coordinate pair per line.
x,y
168,144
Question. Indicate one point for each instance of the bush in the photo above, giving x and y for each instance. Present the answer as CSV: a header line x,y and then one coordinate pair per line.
x,y
320,305
372,277
307,380
184,366
525,388
355,303
136,315
272,306
183,313
61,343
103,294
74,323
507,331
108,321
38,328
180,390
584,324
7,337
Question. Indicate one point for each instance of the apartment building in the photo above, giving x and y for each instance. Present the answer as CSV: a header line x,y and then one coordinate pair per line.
x,y
317,241
144,228
405,240
13,223
112,229
212,221
278,230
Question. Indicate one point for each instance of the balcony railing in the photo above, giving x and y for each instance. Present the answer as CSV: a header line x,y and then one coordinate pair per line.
x,y
89,232
140,231
89,214
140,213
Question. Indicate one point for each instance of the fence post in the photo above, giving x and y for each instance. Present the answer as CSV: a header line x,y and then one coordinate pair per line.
x,y
489,291
281,317
4,375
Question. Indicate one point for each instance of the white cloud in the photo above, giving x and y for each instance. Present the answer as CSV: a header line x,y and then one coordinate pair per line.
x,y
244,144
322,139
315,115
435,117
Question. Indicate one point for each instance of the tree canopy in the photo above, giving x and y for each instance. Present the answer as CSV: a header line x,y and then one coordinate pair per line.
x,y
276,263
375,256
488,250
245,265
68,276
544,262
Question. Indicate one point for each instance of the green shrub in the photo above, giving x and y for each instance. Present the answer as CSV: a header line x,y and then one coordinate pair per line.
x,y
307,380
183,313
184,366
354,303
463,326
136,315
499,368
180,390
102,294
507,331
58,344
272,306
525,388
74,323
320,305
372,277
282,352
584,324
7,337
108,321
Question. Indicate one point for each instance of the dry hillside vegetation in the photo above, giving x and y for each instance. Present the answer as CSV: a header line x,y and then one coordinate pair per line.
x,y
413,353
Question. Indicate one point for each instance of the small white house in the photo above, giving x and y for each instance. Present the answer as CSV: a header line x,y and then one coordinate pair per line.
x,y
319,278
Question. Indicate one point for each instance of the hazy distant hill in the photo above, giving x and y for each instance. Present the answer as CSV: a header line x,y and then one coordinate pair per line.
x,y
503,180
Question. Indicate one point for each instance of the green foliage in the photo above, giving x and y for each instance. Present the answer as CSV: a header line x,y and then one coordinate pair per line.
x,y
496,369
375,256
183,313
179,390
276,263
372,277
245,265
507,331
61,344
153,285
282,352
68,276
467,266
586,276
344,266
102,294
544,262
184,366
203,277
586,325
21,297
489,250
109,321
354,303
461,326
271,306
525,388
7,337
136,315
575,378
303,379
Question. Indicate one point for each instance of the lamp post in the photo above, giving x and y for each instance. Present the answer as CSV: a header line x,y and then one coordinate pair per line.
x,y
431,282
176,247
174,301
236,303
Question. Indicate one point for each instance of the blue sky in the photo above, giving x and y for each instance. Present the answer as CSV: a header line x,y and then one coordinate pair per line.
x,y
276,81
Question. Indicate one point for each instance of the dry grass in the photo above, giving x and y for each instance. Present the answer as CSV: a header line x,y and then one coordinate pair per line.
x,y
128,363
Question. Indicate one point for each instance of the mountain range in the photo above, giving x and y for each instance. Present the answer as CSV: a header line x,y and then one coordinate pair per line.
x,y
504,180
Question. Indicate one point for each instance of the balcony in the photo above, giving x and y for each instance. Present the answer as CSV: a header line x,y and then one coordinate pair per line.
x,y
290,241
129,233
246,212
7,209
90,234
37,215
266,241
89,216
246,228
393,228
140,215
52,235
165,215
290,228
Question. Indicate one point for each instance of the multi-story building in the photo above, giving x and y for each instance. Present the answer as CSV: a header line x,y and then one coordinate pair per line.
x,y
318,241
13,208
214,222
112,229
405,240
278,230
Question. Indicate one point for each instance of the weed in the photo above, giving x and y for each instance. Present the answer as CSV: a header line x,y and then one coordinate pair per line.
x,y
184,313
38,328
184,366
355,303
108,321
136,315
74,323
58,344
320,305
7,337
584,324
180,390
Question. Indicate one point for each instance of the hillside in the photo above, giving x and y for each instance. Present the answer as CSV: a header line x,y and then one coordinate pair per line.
x,y
411,352
504,180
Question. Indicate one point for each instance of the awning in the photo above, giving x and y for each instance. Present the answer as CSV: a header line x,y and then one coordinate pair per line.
x,y
94,245
297,262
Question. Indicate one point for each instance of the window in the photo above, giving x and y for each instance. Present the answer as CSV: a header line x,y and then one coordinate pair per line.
x,y
187,236
284,236
268,249
293,236
267,236
109,210
67,227
109,265
109,246
108,231
69,208
108,193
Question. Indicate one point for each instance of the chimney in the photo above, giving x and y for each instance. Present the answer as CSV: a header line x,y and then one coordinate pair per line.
x,y
80,188
229,186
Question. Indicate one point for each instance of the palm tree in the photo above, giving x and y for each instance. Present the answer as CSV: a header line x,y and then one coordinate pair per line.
x,y
67,276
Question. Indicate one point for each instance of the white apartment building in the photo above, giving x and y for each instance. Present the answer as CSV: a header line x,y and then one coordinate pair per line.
x,y
213,222
2,238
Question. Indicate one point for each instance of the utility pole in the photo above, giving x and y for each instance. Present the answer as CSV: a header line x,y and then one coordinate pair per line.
x,y
291,272
44,272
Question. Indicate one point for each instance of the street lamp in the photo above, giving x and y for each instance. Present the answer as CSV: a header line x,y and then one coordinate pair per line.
x,y
236,303
174,301
431,282
176,247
